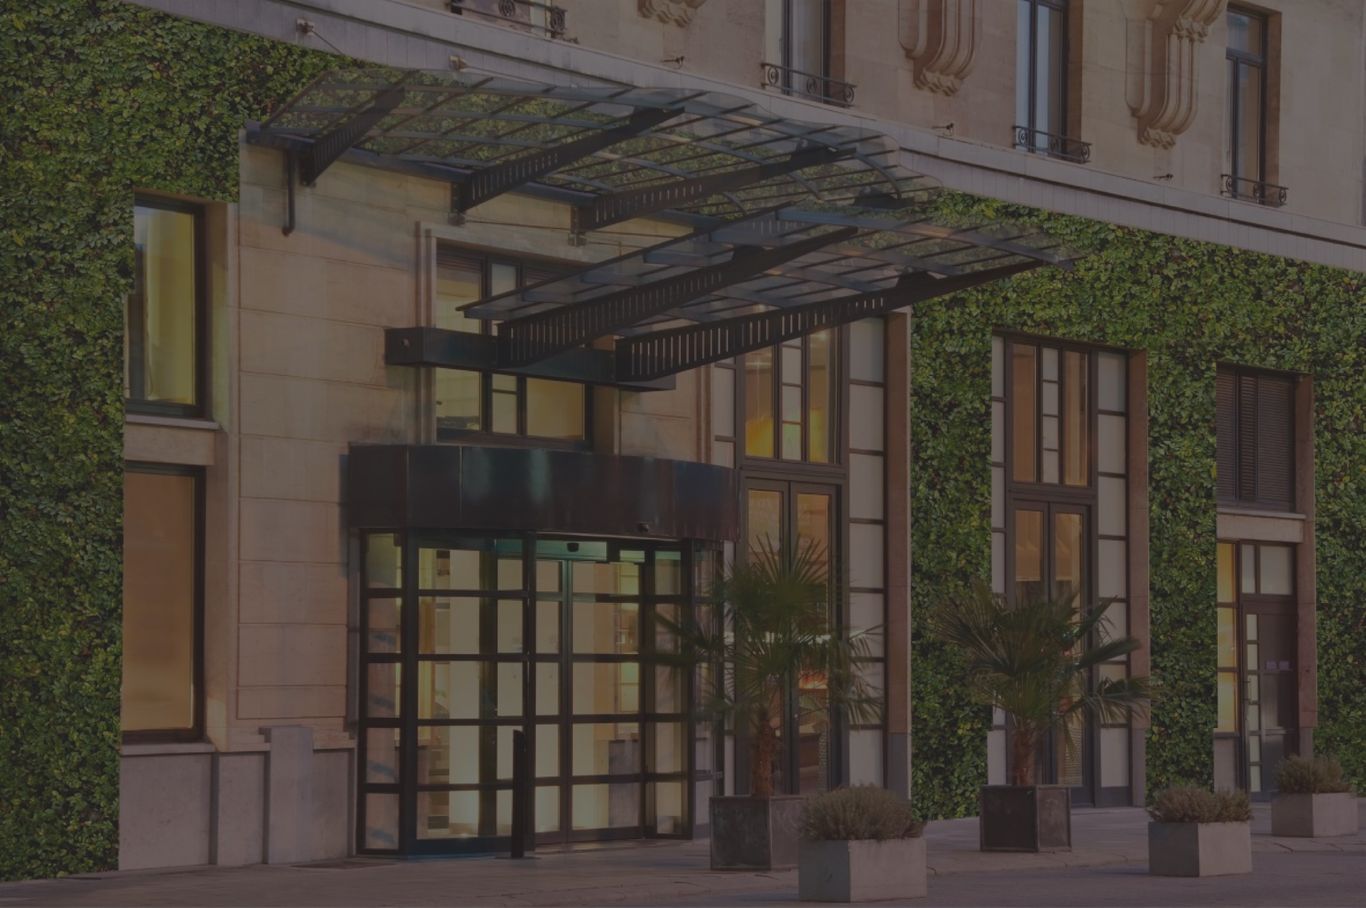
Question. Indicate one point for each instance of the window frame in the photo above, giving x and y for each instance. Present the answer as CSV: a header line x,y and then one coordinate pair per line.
x,y
133,401
195,732
838,398
1259,60
788,58
485,433
1238,455
1061,7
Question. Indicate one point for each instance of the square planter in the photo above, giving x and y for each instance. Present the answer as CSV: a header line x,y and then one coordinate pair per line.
x,y
1315,815
1199,849
861,871
755,833
1025,818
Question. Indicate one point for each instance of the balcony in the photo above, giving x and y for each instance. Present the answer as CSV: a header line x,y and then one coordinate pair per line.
x,y
807,85
1234,187
1051,144
545,19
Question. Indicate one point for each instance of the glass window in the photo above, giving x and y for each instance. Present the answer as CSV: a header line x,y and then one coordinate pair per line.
x,y
1245,137
1040,71
1028,555
1076,420
759,403
163,316
820,391
789,400
1050,402
1024,415
161,595
1255,436
469,401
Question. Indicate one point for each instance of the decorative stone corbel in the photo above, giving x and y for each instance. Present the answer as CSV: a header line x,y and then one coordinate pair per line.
x,y
679,12
1162,62
940,37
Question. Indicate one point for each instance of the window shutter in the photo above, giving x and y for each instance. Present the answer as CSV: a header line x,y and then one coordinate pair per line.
x,y
1226,441
1247,437
1275,442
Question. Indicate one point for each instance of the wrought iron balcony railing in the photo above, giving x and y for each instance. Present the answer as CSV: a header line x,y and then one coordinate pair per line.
x,y
808,85
532,15
1252,190
1052,144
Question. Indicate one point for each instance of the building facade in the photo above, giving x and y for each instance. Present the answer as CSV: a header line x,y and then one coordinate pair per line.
x,y
424,449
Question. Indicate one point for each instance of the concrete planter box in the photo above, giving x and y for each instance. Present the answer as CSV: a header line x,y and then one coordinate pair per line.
x,y
1315,815
861,871
1199,849
755,833
1025,818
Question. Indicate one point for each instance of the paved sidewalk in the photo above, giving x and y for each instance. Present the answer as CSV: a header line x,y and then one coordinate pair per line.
x,y
1108,865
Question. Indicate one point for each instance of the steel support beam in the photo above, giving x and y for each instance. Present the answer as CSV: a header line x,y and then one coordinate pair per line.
x,y
621,206
489,182
446,349
652,356
331,145
525,340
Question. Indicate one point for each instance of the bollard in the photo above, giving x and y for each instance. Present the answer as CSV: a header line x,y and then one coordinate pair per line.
x,y
521,792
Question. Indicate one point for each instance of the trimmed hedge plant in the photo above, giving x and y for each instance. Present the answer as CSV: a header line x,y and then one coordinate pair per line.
x,y
1191,306
101,97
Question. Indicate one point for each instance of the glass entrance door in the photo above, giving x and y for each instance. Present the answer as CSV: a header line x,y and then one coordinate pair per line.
x,y
1258,693
1050,558
778,514
469,640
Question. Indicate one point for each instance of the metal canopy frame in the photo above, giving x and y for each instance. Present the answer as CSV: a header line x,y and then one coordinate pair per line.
x,y
795,227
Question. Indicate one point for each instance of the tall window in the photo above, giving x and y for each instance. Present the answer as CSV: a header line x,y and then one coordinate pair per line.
x,y
790,392
164,315
799,50
162,559
1255,427
1245,141
469,401
1041,74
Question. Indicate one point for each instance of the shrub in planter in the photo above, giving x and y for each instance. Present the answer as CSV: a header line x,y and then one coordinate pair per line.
x,y
860,844
772,630
1313,799
1033,659
1195,832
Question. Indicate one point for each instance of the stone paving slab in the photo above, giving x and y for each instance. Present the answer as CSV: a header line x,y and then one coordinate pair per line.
x,y
1108,865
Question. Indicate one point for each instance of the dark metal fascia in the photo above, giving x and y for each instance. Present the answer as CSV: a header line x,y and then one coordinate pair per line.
x,y
651,356
614,207
447,349
489,182
540,335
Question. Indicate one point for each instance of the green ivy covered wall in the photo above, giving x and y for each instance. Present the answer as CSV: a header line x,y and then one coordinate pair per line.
x,y
100,97
1190,306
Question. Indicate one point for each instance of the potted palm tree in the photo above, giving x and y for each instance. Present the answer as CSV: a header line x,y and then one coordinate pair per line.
x,y
1034,660
774,656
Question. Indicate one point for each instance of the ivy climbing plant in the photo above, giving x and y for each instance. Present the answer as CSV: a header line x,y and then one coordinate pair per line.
x,y
1191,306
101,97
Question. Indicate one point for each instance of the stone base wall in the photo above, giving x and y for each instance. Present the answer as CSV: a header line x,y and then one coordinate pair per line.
x,y
189,805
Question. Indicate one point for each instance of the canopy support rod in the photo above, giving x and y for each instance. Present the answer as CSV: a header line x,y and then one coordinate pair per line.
x,y
651,356
331,145
489,182
534,337
620,206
